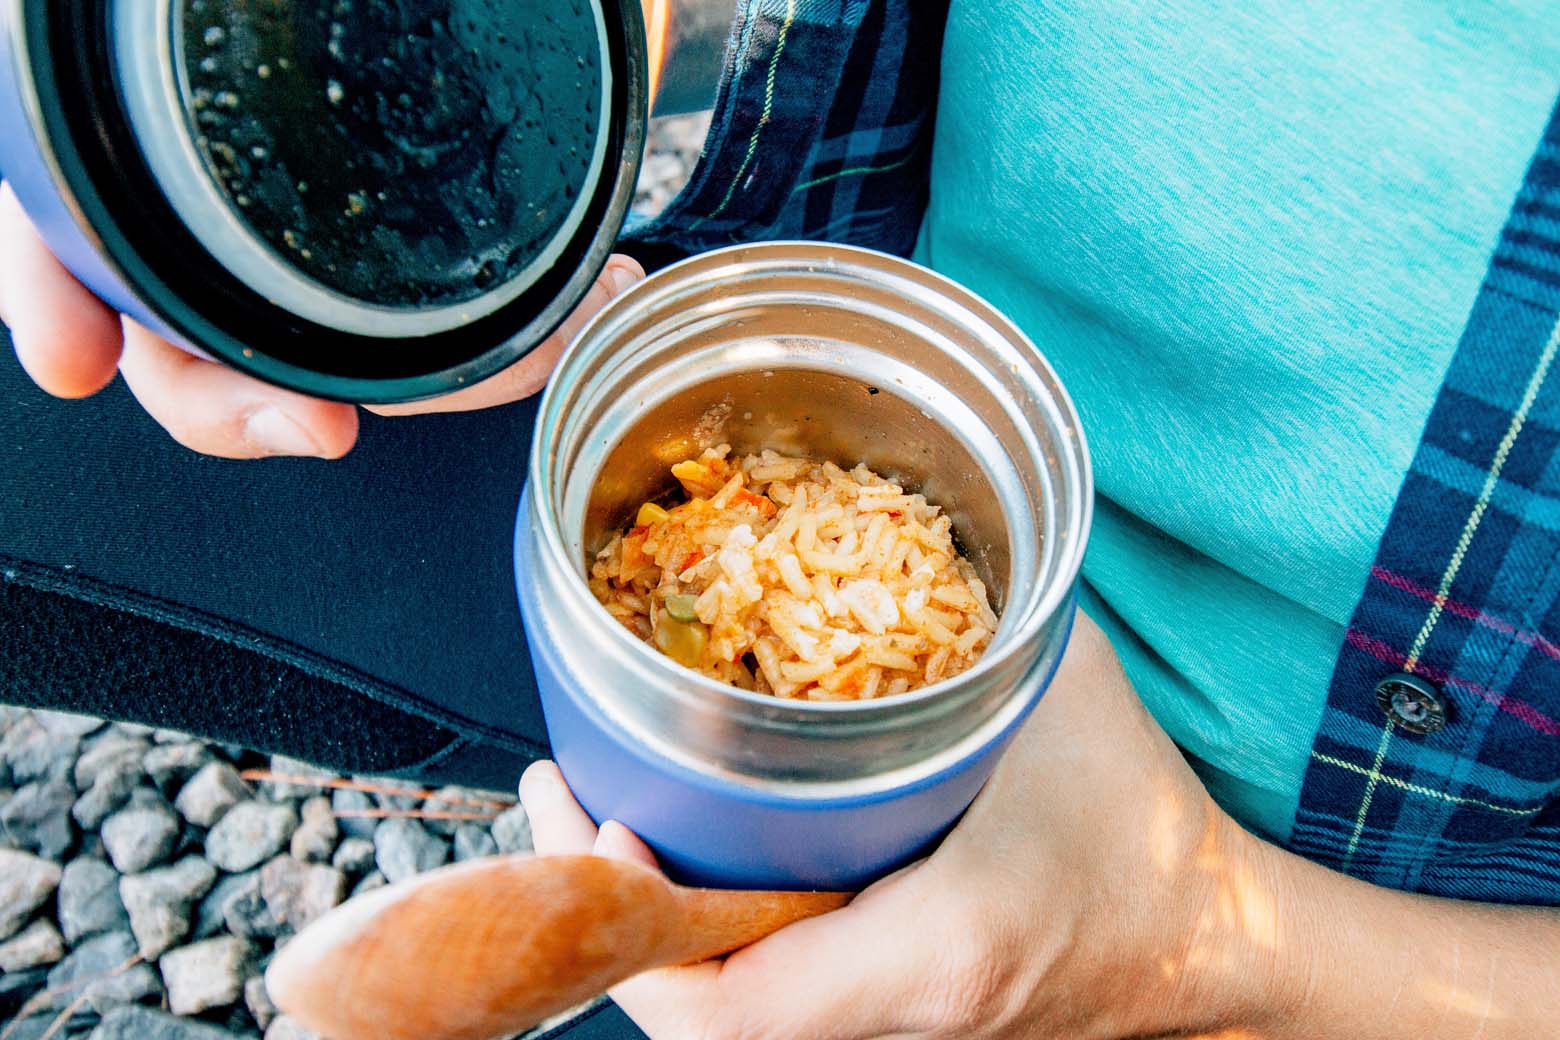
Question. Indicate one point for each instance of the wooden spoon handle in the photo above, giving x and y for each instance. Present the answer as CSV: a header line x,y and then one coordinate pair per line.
x,y
490,947
720,921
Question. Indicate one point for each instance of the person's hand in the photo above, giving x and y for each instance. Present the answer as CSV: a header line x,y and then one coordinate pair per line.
x,y
1091,891
71,344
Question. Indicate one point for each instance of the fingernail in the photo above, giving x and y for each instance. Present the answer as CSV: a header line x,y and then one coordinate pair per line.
x,y
621,278
539,775
274,432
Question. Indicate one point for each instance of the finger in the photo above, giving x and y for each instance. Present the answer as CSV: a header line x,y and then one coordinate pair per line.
x,y
216,410
66,339
558,825
868,970
528,375
616,841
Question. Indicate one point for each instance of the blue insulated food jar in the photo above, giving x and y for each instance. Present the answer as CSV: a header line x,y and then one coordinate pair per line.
x,y
839,354
363,201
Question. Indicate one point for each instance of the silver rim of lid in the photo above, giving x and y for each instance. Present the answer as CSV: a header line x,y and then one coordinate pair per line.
x,y
148,49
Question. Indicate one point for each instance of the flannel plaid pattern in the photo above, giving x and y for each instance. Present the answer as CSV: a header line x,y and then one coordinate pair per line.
x,y
1465,592
822,128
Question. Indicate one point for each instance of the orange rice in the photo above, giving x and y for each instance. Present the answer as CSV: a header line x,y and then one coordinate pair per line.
x,y
797,578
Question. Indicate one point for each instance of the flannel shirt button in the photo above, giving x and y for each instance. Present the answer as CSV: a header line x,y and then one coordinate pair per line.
x,y
1411,703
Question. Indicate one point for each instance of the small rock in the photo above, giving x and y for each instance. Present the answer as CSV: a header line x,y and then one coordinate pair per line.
x,y
169,765
211,918
89,900
258,1001
67,723
451,800
139,837
345,802
238,905
281,790
296,892
159,902
512,830
108,794
473,842
25,882
130,986
371,881
403,847
102,958
316,834
249,834
207,974
111,753
37,817
38,943
142,1023
33,752
354,856
285,1027
211,792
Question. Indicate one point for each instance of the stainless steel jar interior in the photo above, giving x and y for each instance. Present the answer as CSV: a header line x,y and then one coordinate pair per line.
x,y
782,345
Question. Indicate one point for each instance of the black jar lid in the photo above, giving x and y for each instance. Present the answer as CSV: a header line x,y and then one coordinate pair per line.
x,y
359,199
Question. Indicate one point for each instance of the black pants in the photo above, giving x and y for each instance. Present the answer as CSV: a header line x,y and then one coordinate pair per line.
x,y
359,614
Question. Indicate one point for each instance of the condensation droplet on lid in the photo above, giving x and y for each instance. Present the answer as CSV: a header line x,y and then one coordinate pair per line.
x,y
263,71
208,64
334,92
356,203
242,200
258,152
249,352
213,36
226,99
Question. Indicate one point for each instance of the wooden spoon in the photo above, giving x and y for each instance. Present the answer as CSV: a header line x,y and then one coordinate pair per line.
x,y
490,947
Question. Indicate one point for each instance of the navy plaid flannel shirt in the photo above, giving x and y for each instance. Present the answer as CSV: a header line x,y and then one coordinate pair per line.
x,y
822,129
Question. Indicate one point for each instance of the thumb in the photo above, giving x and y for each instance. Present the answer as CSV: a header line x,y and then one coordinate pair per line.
x,y
528,375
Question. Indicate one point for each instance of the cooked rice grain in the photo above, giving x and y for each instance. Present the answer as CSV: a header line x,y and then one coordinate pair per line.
x,y
807,581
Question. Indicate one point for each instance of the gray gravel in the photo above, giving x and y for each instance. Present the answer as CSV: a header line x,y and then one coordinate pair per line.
x,y
37,944
249,834
405,847
89,900
139,836
138,868
206,974
25,882
159,902
172,893
210,793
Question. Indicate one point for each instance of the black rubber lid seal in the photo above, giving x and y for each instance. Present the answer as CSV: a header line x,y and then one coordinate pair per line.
x,y
173,274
